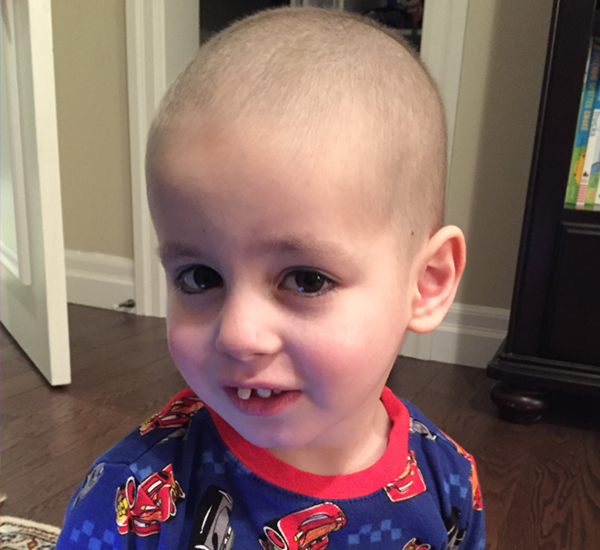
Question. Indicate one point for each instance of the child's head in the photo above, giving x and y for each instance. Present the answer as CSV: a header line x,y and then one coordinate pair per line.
x,y
319,78
296,174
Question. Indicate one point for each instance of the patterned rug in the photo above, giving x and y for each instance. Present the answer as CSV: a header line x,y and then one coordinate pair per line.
x,y
21,534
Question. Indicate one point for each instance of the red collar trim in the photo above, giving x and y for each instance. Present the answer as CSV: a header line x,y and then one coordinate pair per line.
x,y
275,471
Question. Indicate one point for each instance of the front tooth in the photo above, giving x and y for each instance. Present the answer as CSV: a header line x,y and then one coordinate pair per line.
x,y
277,392
244,393
263,392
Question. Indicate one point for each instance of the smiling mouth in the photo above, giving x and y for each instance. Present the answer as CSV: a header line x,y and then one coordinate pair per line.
x,y
262,401
264,393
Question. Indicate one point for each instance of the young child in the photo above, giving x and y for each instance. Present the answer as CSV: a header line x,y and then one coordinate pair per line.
x,y
296,174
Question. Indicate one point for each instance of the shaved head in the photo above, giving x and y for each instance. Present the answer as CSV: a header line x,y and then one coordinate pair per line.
x,y
316,76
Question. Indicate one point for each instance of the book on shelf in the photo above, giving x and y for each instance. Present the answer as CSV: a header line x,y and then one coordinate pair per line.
x,y
588,97
588,184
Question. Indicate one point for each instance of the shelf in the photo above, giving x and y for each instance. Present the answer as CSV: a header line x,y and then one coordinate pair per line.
x,y
587,215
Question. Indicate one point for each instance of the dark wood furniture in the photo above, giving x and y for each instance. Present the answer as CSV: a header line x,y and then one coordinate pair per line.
x,y
553,340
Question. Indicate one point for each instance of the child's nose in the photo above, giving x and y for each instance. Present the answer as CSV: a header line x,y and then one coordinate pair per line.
x,y
247,328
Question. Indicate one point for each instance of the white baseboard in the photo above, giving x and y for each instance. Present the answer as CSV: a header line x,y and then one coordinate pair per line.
x,y
99,280
469,335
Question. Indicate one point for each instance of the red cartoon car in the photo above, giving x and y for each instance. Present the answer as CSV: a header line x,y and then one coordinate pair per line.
x,y
416,544
306,529
409,484
177,413
143,508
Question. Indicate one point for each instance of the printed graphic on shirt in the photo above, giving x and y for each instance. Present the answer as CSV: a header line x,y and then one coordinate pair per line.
x,y
177,413
212,530
143,508
306,529
455,535
416,544
409,484
473,477
179,433
88,483
417,427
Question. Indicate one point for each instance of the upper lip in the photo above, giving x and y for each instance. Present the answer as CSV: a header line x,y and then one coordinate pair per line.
x,y
254,385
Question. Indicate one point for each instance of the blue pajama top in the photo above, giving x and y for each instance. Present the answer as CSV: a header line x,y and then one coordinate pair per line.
x,y
186,480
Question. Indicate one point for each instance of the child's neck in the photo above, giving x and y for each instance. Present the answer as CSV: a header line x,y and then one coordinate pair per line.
x,y
362,447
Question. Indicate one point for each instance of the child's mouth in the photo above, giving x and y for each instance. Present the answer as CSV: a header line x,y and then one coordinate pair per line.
x,y
261,401
264,393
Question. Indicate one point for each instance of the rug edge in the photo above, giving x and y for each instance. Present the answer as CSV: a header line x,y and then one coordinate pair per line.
x,y
31,524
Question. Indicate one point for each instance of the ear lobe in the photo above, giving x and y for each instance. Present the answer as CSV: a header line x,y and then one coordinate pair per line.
x,y
441,266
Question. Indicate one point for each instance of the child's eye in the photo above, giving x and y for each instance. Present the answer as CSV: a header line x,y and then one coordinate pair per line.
x,y
198,279
307,281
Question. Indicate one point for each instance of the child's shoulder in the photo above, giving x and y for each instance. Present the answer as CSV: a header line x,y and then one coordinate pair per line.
x,y
449,464
169,424
140,471
422,429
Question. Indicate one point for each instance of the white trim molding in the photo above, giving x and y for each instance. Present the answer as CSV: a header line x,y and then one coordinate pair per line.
x,y
162,37
442,44
99,280
146,84
469,335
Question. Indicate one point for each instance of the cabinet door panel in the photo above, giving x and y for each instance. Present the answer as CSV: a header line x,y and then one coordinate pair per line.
x,y
573,314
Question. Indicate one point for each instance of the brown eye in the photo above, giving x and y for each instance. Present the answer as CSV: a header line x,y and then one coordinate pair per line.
x,y
198,279
308,282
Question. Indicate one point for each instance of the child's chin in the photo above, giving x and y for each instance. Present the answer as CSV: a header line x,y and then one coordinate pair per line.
x,y
266,441
270,440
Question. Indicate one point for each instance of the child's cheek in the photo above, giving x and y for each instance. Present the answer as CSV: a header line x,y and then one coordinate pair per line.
x,y
187,339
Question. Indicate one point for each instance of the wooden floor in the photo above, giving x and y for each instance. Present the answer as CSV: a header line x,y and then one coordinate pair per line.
x,y
541,483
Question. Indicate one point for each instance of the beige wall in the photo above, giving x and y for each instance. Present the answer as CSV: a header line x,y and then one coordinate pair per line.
x,y
503,64
91,89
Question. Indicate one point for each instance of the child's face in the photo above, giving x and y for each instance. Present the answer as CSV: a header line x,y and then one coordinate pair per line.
x,y
280,280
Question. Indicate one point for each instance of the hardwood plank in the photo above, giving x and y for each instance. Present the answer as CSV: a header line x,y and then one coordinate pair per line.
x,y
559,494
409,376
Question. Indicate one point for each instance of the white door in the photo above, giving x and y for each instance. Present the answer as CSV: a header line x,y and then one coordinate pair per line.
x,y
33,284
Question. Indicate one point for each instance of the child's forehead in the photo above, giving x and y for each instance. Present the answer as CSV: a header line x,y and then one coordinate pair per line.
x,y
227,170
254,152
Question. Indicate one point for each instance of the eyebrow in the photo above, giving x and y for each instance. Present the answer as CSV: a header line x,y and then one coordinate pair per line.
x,y
173,250
308,246
318,249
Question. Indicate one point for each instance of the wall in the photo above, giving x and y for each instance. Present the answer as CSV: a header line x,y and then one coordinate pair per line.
x,y
93,130
503,64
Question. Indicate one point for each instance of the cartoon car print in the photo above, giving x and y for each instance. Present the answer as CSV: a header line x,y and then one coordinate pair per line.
x,y
306,529
473,477
455,535
420,428
143,508
409,484
177,412
416,544
212,530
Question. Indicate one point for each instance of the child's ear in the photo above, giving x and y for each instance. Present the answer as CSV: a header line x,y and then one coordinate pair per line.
x,y
440,266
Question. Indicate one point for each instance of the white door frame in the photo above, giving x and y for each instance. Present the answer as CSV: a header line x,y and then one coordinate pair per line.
x,y
162,36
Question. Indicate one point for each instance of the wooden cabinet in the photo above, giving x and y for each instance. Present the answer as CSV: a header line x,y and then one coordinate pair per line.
x,y
553,340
